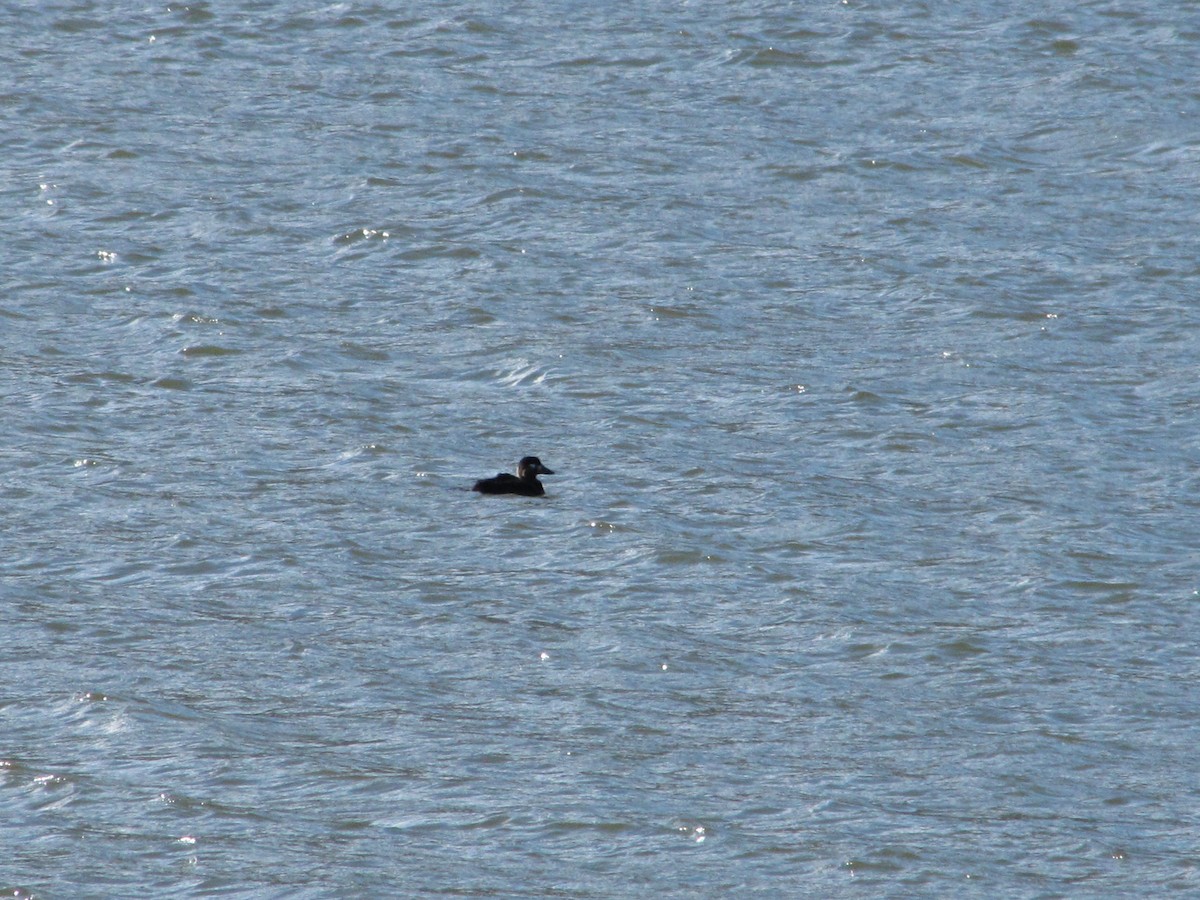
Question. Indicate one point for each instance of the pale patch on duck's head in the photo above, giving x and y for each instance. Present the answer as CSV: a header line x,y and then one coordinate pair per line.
x,y
531,467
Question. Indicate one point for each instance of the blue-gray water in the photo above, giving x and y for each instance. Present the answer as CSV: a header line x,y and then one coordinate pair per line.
x,y
862,336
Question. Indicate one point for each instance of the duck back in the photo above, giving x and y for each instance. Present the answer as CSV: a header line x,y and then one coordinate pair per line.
x,y
504,483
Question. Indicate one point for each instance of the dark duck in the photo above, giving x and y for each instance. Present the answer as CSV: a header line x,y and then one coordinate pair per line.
x,y
525,482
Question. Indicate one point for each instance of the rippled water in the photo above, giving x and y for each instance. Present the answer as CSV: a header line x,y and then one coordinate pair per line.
x,y
862,338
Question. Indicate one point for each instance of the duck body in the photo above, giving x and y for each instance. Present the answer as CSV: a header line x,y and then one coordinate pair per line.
x,y
525,483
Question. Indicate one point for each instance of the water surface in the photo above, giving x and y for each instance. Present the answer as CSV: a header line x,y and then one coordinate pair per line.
x,y
862,341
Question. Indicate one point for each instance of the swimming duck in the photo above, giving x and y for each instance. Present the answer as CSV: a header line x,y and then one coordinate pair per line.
x,y
525,482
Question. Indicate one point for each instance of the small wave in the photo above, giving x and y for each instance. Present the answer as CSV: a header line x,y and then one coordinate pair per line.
x,y
362,234
204,350
522,372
